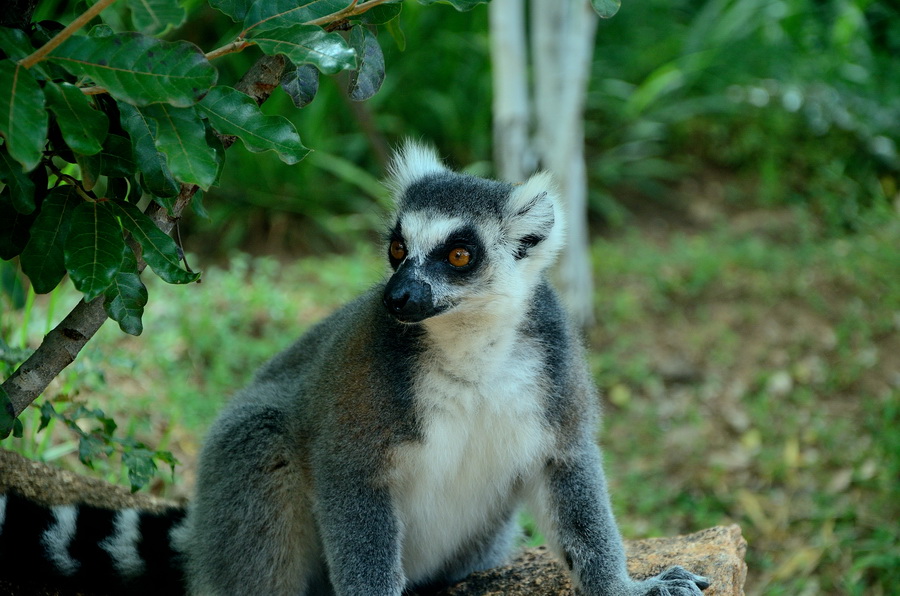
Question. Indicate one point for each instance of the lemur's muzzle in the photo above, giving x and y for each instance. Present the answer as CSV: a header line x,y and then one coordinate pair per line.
x,y
409,299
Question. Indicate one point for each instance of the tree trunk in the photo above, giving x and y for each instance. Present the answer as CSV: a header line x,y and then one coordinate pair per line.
x,y
562,39
562,47
514,158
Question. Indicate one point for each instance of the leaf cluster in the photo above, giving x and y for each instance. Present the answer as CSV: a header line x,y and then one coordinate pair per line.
x,y
98,126
101,441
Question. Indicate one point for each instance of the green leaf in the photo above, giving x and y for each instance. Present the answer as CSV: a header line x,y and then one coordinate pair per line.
x,y
396,31
460,5
14,43
236,9
108,424
101,30
366,80
215,143
23,119
379,15
7,415
139,69
123,189
606,8
155,175
91,446
158,249
83,128
21,188
48,413
126,297
40,34
117,158
42,259
301,83
284,13
306,44
17,46
179,133
15,227
89,165
141,467
12,288
234,113
197,205
156,16
93,251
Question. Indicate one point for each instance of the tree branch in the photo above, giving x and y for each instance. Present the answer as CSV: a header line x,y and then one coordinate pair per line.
x,y
79,22
65,341
237,45
355,8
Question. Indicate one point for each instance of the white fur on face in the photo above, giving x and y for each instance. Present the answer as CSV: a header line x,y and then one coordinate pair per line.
x,y
423,231
412,162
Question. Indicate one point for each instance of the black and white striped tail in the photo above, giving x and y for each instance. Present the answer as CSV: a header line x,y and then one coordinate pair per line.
x,y
89,549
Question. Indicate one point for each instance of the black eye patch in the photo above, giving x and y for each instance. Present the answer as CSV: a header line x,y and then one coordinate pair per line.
x,y
465,238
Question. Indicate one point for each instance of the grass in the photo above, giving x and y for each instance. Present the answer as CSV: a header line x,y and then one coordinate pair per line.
x,y
759,382
748,376
200,344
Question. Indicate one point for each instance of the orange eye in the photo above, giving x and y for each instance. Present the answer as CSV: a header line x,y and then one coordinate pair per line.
x,y
459,257
398,250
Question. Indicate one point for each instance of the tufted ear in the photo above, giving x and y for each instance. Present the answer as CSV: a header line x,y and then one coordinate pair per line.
x,y
410,163
534,218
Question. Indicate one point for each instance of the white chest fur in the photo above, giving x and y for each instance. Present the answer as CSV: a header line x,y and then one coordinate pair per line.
x,y
484,430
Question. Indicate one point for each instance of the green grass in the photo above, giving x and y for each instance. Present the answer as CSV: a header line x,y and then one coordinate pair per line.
x,y
748,377
787,422
200,344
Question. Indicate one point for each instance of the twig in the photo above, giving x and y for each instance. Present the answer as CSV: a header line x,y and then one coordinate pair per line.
x,y
353,10
235,46
79,22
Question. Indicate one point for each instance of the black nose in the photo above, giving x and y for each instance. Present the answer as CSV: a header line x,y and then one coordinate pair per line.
x,y
409,300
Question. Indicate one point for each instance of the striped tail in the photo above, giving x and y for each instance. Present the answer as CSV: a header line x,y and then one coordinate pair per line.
x,y
81,548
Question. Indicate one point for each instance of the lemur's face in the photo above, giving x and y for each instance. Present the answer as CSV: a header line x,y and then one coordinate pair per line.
x,y
437,262
464,244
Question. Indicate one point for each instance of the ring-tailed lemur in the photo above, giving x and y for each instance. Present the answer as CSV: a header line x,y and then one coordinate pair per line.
x,y
391,447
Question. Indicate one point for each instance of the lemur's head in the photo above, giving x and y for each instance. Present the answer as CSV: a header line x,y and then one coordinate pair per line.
x,y
461,243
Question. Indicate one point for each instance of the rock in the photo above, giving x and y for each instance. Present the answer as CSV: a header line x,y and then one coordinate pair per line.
x,y
717,553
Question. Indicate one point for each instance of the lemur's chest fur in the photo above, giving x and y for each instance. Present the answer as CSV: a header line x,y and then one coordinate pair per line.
x,y
484,431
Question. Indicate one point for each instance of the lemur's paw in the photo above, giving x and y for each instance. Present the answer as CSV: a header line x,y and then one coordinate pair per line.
x,y
676,581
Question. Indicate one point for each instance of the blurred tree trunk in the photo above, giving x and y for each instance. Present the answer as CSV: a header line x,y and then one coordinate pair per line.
x,y
514,158
551,135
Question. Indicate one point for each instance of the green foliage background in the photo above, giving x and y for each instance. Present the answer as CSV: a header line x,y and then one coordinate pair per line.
x,y
744,195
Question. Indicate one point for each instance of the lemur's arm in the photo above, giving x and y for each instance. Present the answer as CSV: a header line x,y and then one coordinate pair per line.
x,y
360,534
573,503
